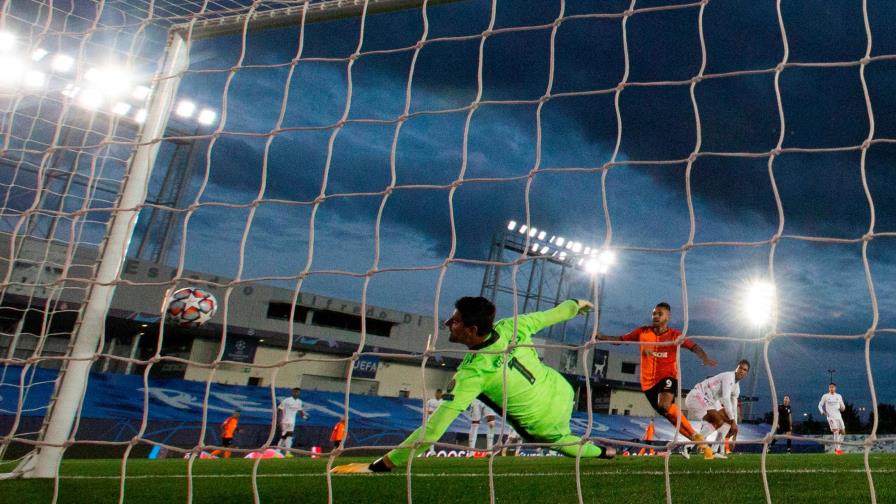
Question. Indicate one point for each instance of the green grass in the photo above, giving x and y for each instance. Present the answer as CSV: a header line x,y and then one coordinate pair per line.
x,y
792,479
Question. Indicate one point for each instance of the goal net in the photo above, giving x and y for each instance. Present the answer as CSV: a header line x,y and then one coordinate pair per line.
x,y
337,173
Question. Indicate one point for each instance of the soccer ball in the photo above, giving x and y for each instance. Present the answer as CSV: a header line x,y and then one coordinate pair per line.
x,y
191,307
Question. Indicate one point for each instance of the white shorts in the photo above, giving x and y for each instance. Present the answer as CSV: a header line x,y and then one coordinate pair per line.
x,y
835,423
287,426
698,404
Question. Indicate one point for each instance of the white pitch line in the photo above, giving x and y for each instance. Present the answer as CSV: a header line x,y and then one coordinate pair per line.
x,y
497,475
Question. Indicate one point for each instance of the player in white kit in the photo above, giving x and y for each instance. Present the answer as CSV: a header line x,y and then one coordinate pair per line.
x,y
831,405
478,410
714,401
288,409
433,403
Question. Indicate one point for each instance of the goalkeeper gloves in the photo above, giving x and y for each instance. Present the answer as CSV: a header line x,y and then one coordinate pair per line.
x,y
585,306
360,468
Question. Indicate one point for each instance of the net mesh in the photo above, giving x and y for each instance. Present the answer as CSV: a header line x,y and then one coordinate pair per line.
x,y
347,149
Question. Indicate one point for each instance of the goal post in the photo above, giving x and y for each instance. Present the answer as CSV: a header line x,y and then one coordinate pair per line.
x,y
88,335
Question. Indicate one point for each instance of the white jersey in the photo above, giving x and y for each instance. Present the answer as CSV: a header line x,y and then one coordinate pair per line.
x,y
831,405
478,409
289,407
432,405
722,389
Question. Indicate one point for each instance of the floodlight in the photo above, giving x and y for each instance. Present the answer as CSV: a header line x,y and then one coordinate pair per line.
x,y
560,241
511,225
62,63
206,117
185,108
562,255
552,239
759,302
541,235
34,79
140,93
544,250
569,245
580,262
608,257
38,54
70,90
587,250
593,266
140,116
534,247
577,247
90,99
532,232
121,108
7,41
13,70
523,228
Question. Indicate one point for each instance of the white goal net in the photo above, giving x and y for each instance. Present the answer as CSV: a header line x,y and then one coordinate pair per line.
x,y
337,173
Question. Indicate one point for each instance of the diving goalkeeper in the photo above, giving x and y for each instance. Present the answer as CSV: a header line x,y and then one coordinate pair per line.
x,y
539,399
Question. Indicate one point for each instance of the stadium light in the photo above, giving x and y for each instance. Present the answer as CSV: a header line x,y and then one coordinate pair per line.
x,y
7,41
90,99
534,247
759,302
523,228
70,90
185,108
34,79
13,71
545,249
140,93
112,81
62,63
560,241
121,108
38,54
140,116
541,235
206,117
532,232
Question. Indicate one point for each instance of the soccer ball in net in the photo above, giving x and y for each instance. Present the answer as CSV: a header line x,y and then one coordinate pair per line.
x,y
191,307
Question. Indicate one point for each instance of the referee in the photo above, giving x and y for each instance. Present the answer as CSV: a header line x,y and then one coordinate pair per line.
x,y
785,421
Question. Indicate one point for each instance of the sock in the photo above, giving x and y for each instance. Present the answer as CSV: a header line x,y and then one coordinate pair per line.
x,y
227,454
287,442
722,432
474,432
788,443
673,414
490,437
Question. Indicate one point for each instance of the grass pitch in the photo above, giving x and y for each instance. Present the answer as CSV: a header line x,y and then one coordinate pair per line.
x,y
791,478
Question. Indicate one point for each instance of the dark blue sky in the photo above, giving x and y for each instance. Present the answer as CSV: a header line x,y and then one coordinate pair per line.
x,y
822,285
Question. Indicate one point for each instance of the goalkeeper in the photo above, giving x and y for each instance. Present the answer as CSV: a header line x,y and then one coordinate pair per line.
x,y
539,399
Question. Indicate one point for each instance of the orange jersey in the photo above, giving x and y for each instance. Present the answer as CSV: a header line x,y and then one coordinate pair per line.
x,y
228,428
338,432
663,364
648,434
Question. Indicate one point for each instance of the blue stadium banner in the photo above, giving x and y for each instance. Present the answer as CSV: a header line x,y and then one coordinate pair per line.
x,y
365,366
240,348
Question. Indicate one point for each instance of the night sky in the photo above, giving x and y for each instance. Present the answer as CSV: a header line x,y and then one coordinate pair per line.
x,y
816,261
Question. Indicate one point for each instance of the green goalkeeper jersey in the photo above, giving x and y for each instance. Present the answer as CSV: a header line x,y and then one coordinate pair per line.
x,y
539,399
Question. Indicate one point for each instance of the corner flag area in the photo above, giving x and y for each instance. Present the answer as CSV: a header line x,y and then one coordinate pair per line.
x,y
805,478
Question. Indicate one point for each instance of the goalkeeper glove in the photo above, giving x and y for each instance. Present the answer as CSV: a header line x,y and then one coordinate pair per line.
x,y
356,468
585,306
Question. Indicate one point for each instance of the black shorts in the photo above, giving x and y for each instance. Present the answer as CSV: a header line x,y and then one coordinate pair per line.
x,y
665,385
226,442
784,429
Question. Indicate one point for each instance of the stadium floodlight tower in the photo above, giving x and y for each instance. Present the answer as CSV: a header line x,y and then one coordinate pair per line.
x,y
56,434
759,308
546,277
